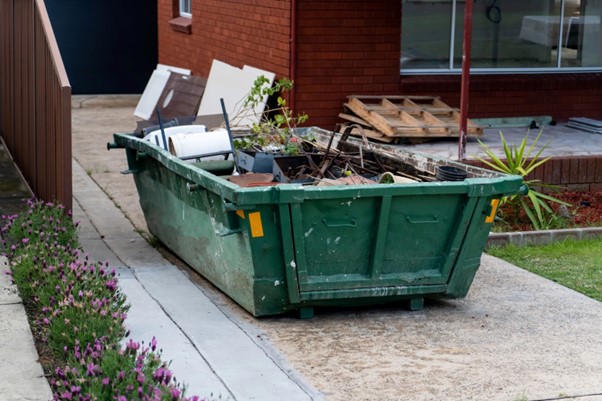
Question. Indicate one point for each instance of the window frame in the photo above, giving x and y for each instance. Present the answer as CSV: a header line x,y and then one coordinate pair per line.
x,y
451,70
182,6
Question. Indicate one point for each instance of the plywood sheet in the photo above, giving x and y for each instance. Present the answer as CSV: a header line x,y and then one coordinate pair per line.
x,y
181,96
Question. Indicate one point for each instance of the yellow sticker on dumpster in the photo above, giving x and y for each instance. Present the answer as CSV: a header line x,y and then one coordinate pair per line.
x,y
240,213
494,205
256,226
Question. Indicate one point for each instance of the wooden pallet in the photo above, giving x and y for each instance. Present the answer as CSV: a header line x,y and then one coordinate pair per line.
x,y
407,116
360,132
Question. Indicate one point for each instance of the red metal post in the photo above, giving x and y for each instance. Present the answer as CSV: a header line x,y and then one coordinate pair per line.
x,y
465,79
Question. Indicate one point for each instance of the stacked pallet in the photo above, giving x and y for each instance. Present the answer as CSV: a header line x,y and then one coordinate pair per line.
x,y
414,118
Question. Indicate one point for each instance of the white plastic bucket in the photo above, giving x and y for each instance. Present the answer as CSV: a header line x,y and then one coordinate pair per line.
x,y
186,144
156,137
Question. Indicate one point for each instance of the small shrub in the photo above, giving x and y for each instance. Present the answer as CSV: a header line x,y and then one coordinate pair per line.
x,y
42,222
134,372
521,161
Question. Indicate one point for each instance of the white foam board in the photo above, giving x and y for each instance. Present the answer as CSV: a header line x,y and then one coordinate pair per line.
x,y
248,117
233,85
223,82
165,67
152,93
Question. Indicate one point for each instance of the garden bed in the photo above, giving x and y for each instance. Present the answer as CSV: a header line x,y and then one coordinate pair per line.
x,y
585,210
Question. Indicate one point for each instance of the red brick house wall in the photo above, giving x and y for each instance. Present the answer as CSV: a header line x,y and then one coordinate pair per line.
x,y
558,95
343,48
237,32
352,47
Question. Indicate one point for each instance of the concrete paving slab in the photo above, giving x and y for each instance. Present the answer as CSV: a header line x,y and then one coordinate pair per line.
x,y
253,375
21,375
147,319
563,141
516,335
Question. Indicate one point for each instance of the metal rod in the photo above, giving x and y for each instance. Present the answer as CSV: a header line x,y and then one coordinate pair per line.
x,y
227,122
202,155
465,79
162,130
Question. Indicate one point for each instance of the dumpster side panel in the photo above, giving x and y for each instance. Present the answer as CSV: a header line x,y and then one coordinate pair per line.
x,y
262,228
469,258
192,225
377,242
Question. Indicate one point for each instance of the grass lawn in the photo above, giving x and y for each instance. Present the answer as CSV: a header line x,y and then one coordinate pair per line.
x,y
574,264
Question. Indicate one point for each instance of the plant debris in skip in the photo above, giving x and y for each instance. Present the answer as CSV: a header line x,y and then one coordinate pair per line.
x,y
313,163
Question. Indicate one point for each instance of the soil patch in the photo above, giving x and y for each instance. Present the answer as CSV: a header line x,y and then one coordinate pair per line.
x,y
585,210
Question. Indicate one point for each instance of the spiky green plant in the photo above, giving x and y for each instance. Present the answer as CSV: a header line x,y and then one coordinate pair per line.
x,y
521,161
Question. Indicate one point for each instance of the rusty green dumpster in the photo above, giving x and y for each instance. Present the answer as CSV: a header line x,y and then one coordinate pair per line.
x,y
288,247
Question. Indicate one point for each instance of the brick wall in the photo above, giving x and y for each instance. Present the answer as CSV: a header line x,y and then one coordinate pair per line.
x,y
343,48
558,95
352,47
578,174
238,32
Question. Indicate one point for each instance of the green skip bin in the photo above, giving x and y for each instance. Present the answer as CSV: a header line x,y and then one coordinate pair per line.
x,y
277,248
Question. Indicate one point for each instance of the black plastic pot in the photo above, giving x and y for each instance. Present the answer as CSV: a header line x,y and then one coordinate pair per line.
x,y
449,173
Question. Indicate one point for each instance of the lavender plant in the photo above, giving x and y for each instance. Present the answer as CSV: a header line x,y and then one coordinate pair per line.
x,y
135,372
81,313
43,222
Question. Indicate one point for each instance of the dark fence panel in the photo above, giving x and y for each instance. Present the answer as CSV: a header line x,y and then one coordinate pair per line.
x,y
35,99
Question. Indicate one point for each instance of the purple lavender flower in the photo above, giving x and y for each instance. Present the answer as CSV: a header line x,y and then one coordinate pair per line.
x,y
91,369
131,344
175,394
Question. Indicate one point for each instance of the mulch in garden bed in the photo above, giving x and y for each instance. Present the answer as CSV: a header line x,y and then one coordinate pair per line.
x,y
585,210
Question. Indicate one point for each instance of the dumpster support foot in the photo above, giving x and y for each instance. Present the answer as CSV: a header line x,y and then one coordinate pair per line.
x,y
306,313
416,304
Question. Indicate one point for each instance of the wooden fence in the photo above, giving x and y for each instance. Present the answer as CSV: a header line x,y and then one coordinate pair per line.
x,y
35,100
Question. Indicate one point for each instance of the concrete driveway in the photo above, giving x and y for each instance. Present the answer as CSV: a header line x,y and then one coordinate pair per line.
x,y
515,337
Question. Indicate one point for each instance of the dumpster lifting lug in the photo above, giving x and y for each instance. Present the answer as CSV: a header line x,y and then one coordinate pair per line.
x,y
192,187
233,207
114,146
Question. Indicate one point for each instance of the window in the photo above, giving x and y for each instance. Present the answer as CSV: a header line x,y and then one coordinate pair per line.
x,y
186,8
529,35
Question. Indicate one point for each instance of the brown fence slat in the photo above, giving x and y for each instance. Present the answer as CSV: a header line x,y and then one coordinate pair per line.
x,y
35,99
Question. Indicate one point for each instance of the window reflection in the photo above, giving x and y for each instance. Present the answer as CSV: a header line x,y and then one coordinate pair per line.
x,y
506,34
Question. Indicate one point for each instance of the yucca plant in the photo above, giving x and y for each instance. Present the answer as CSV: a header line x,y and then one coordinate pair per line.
x,y
521,161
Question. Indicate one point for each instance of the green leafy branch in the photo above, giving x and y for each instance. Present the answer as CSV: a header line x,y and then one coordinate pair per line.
x,y
276,125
